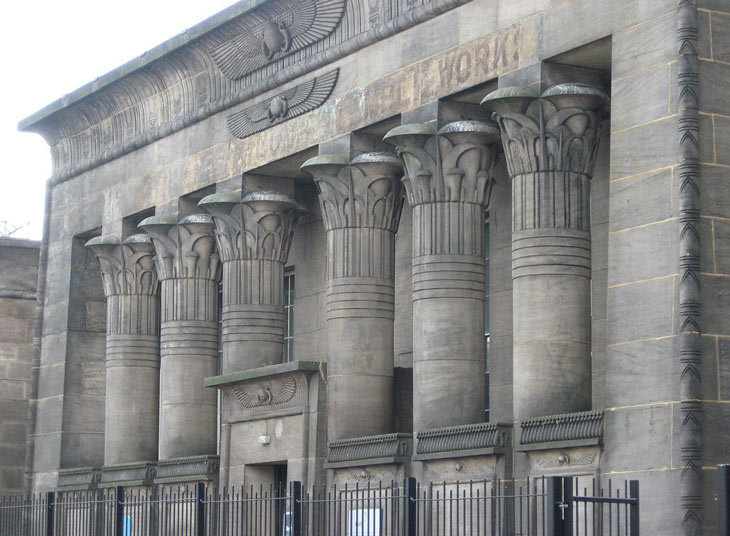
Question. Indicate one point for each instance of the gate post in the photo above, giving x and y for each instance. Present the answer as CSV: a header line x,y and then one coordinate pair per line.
x,y
410,494
723,500
634,508
50,500
560,506
200,509
119,514
296,508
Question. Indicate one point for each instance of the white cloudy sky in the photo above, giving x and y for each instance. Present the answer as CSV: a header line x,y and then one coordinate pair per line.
x,y
51,47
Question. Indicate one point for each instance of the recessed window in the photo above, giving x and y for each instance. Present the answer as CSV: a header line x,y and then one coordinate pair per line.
x,y
289,294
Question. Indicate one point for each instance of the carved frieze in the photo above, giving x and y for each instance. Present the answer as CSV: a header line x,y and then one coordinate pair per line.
x,y
251,399
127,267
250,53
565,459
296,101
257,226
185,249
275,30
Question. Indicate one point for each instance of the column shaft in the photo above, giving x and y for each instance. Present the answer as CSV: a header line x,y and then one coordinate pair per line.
x,y
550,145
253,314
361,203
253,235
188,269
449,180
132,348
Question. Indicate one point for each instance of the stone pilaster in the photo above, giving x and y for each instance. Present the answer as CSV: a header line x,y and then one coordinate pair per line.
x,y
253,235
550,145
361,204
448,182
132,348
188,269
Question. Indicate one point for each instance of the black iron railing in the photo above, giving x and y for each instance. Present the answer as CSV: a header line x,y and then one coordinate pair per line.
x,y
545,506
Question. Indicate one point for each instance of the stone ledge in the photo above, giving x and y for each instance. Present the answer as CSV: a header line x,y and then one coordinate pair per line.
x,y
79,478
128,474
590,442
446,455
188,469
468,437
262,372
567,428
369,450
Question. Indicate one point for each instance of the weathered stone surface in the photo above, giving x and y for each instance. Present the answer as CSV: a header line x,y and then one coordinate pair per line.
x,y
18,279
254,236
448,182
189,268
361,202
132,347
550,160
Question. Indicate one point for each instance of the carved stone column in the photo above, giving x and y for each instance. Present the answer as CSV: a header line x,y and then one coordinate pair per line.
x,y
132,348
550,144
448,183
253,235
188,269
361,204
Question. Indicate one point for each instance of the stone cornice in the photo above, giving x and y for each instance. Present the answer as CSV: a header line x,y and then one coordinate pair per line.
x,y
257,226
127,267
185,249
181,85
364,193
453,164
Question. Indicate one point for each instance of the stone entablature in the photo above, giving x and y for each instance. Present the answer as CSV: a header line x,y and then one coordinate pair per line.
x,y
184,81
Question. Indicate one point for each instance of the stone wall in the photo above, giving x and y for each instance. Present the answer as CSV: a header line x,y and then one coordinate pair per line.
x,y
18,280
628,46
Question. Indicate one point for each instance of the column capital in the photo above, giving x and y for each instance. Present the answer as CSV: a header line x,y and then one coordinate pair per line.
x,y
127,267
554,132
257,226
451,164
185,249
362,193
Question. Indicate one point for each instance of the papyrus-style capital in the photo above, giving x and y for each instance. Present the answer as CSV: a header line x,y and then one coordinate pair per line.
x,y
127,267
557,131
258,226
453,164
364,192
185,249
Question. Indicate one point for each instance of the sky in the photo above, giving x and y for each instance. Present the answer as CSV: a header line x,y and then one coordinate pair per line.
x,y
50,48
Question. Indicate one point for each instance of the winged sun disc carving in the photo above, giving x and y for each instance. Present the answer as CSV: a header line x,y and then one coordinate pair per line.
x,y
268,393
284,106
289,25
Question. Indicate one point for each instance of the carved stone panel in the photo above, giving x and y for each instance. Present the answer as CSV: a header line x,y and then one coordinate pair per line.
x,y
253,399
296,101
274,31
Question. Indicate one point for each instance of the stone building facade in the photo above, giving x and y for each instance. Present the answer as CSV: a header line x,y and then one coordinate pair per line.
x,y
328,240
18,279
